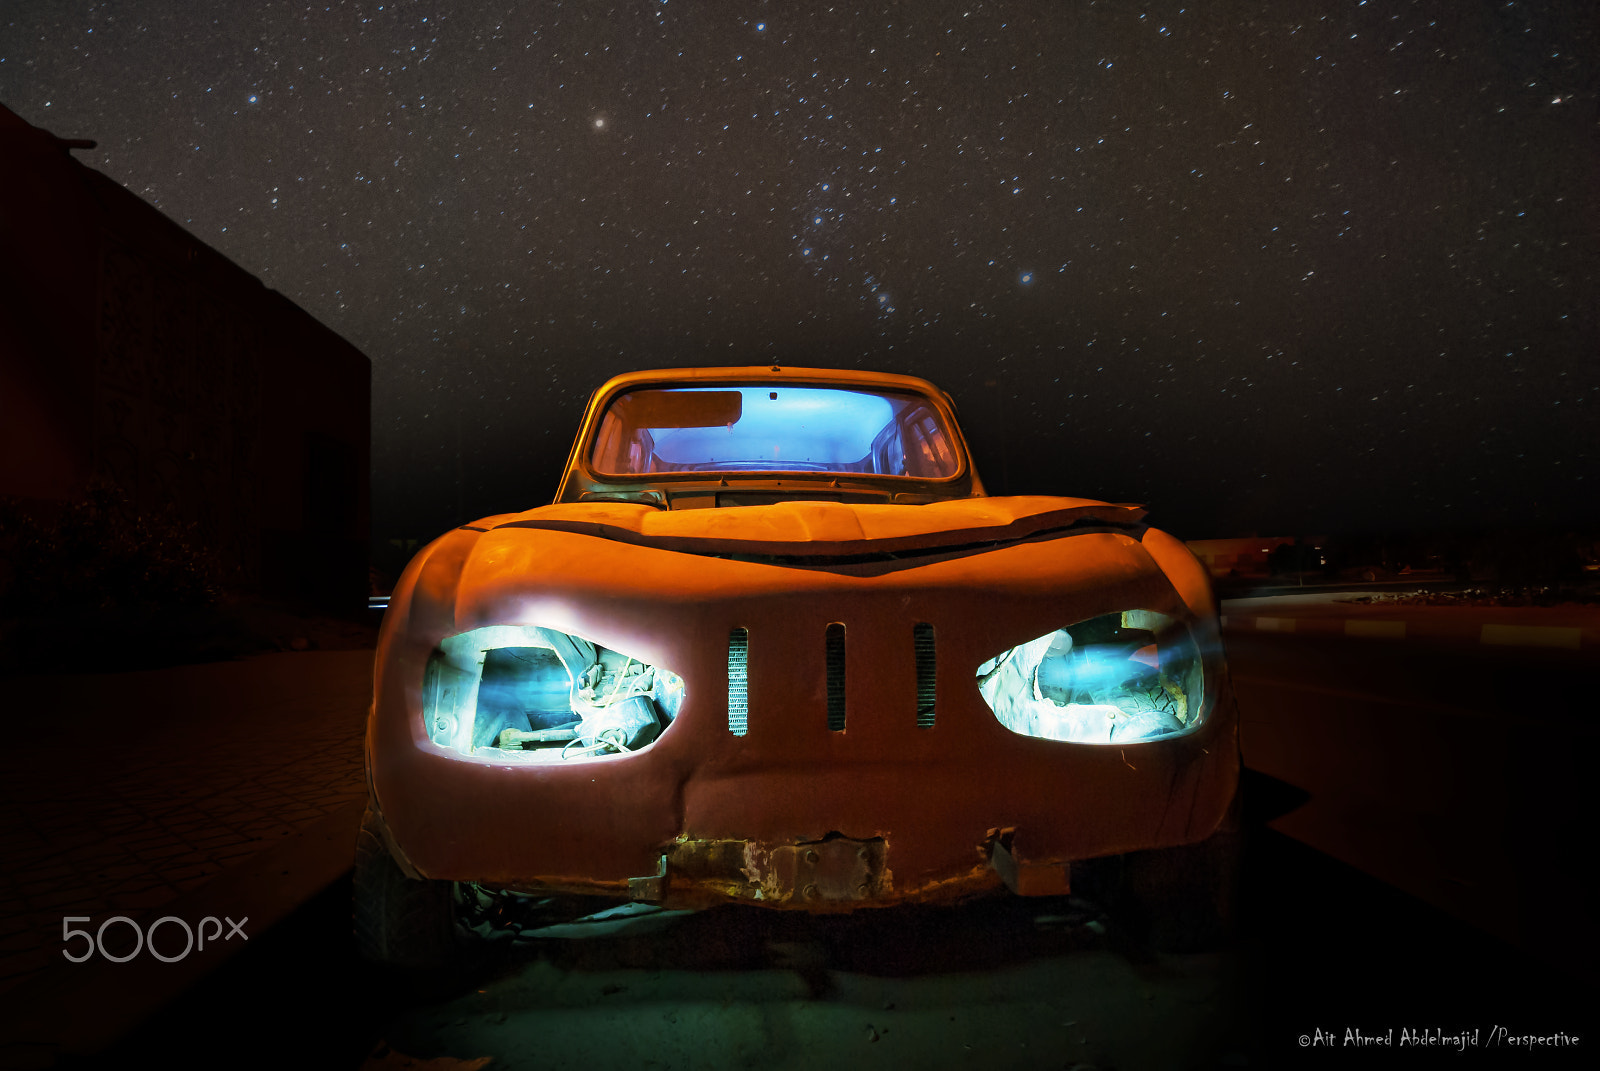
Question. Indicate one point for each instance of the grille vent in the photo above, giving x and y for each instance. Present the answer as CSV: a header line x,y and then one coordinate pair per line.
x,y
835,662
739,681
922,642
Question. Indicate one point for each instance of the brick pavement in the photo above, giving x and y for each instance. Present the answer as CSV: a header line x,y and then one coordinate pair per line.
x,y
121,794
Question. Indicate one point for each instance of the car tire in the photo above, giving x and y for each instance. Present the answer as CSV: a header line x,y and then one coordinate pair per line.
x,y
399,921
1184,899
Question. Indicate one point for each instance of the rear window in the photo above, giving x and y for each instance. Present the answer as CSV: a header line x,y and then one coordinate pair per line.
x,y
773,429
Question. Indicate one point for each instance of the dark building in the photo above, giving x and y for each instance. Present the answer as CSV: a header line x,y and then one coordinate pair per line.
x,y
134,356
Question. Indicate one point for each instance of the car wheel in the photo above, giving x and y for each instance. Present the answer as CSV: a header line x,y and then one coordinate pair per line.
x,y
399,921
1184,899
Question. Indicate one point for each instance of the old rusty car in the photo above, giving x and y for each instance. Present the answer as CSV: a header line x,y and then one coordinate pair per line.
x,y
773,644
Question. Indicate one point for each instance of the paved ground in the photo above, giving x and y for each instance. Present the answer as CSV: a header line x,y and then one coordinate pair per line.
x,y
133,794
1456,772
233,789
992,984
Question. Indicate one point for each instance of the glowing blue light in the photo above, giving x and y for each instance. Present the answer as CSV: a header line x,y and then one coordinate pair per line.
x,y
803,424
809,429
1120,678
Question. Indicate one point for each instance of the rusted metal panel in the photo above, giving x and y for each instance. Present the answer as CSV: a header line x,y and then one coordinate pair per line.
x,y
789,777
831,871
1026,877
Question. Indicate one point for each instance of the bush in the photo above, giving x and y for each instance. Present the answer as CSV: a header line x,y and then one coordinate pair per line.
x,y
99,553
96,585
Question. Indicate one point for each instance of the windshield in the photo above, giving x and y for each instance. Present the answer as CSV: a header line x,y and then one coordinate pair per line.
x,y
773,429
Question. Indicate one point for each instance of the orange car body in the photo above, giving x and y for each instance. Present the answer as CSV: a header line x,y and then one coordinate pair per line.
x,y
793,811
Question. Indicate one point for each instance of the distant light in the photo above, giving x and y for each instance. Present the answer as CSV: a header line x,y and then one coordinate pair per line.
x,y
761,27
252,98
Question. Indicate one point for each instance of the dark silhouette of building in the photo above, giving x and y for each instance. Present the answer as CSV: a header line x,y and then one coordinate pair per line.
x,y
133,356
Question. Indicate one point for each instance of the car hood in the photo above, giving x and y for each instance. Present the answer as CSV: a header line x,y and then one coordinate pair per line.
x,y
823,529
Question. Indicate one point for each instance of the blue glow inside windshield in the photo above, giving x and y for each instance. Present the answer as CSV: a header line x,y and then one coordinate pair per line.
x,y
772,429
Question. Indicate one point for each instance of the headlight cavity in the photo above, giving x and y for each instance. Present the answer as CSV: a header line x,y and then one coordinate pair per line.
x,y
543,694
1115,679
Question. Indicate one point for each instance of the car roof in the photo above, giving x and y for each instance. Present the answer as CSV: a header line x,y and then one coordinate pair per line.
x,y
761,373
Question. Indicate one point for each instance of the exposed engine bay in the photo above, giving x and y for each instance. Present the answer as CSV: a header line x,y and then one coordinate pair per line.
x,y
1115,679
535,694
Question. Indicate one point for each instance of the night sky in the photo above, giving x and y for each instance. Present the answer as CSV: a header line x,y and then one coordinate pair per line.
x,y
1263,266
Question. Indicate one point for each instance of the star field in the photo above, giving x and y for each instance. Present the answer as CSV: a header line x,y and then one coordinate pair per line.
x,y
1275,267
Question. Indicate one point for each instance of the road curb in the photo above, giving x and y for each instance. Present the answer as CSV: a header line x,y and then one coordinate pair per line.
x,y
1560,637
